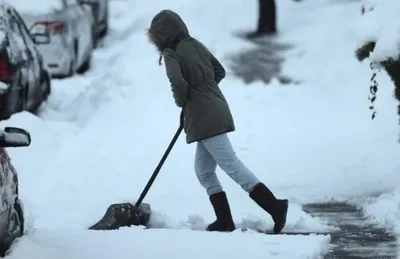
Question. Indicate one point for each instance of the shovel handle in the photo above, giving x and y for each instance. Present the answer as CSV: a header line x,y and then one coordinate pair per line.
x,y
181,118
160,164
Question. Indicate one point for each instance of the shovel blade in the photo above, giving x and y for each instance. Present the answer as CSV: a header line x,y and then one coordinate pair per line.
x,y
123,215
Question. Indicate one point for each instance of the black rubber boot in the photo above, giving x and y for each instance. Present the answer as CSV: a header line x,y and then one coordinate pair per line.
x,y
277,208
224,222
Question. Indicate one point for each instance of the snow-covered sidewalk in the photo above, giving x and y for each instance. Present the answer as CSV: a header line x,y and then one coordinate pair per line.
x,y
156,244
99,137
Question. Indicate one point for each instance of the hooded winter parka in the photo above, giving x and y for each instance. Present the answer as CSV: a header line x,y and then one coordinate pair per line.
x,y
194,74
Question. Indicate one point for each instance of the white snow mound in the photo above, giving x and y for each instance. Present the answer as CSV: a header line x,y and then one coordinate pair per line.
x,y
381,24
130,243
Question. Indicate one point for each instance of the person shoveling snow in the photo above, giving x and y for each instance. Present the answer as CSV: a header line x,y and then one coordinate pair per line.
x,y
194,74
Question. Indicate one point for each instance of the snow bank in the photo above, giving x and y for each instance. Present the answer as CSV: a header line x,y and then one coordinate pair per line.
x,y
131,243
34,161
384,211
381,24
33,7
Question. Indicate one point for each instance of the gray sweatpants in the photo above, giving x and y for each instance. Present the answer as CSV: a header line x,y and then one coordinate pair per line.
x,y
218,150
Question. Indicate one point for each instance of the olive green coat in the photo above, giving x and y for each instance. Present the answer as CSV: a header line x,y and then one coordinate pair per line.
x,y
194,74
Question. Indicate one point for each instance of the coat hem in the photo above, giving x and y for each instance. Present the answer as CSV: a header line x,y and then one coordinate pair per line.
x,y
209,136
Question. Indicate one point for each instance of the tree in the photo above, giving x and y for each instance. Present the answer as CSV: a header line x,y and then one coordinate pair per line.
x,y
379,41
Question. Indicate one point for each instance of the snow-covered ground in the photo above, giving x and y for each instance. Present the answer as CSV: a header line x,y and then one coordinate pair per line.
x,y
99,137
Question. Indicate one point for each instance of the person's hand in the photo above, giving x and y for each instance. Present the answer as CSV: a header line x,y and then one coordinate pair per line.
x,y
182,118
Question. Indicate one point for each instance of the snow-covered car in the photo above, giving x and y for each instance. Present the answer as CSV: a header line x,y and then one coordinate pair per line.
x,y
71,29
11,211
24,79
100,10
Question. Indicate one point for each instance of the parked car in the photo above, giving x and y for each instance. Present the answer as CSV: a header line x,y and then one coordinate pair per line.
x,y
100,10
71,29
24,79
11,211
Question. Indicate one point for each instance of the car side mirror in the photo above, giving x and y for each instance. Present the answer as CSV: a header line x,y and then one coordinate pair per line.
x,y
14,137
40,38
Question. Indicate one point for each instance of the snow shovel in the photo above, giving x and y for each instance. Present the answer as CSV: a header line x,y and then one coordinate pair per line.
x,y
125,214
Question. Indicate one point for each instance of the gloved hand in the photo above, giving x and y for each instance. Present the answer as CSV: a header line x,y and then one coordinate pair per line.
x,y
182,118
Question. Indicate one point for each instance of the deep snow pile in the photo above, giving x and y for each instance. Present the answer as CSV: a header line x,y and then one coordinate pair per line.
x,y
381,24
99,137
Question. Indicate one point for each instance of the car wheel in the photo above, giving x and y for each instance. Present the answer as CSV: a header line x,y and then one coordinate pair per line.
x,y
70,69
16,224
11,104
74,60
45,84
15,227
22,97
85,66
104,31
21,102
5,112
95,38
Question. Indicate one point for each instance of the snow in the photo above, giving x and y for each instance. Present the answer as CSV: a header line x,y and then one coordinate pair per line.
x,y
3,87
99,137
32,7
385,210
380,24
154,244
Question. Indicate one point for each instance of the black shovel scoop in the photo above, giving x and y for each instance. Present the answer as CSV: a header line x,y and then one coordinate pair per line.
x,y
125,214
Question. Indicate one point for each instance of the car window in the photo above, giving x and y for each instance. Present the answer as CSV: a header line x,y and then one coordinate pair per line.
x,y
14,25
20,28
23,32
22,25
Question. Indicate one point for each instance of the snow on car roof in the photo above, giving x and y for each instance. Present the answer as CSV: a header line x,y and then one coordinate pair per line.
x,y
35,7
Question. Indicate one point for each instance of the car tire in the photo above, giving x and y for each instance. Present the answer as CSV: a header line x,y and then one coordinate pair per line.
x,y
16,227
11,106
45,80
70,69
5,112
104,31
73,61
44,91
95,37
22,100
17,217
85,66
